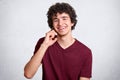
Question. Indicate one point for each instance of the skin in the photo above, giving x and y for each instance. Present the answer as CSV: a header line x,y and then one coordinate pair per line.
x,y
62,27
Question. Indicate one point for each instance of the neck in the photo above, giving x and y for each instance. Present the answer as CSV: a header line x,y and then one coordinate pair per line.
x,y
65,41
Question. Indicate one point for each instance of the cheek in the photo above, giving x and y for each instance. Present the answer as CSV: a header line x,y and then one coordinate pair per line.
x,y
54,24
54,27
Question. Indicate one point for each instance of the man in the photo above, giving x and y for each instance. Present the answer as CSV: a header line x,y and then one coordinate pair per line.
x,y
62,56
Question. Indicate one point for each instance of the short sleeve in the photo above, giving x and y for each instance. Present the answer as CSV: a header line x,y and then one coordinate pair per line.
x,y
87,67
40,41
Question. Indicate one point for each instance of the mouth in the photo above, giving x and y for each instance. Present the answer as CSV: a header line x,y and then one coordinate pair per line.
x,y
62,28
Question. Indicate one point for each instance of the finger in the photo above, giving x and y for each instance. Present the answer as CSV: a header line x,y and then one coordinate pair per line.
x,y
52,34
54,31
55,39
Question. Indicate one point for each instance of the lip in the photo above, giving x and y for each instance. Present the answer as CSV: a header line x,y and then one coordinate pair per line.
x,y
61,28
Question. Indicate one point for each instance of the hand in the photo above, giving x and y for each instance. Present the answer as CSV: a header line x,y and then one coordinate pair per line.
x,y
50,38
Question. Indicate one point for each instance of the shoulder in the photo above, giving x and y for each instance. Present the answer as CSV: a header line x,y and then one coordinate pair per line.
x,y
41,40
82,47
38,44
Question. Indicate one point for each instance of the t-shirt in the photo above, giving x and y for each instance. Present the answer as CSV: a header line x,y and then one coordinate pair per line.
x,y
66,64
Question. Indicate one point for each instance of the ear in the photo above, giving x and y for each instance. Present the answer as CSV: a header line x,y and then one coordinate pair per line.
x,y
72,24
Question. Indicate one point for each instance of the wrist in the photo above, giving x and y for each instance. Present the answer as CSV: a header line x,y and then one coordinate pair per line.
x,y
45,46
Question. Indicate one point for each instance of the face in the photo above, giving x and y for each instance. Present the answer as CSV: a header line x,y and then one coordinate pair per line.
x,y
62,24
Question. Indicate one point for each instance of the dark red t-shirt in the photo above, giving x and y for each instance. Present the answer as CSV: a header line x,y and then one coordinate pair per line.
x,y
66,64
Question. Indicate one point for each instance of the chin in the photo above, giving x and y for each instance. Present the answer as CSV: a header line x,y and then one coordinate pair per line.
x,y
62,34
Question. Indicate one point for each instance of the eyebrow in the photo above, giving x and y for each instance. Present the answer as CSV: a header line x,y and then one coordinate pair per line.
x,y
55,17
64,17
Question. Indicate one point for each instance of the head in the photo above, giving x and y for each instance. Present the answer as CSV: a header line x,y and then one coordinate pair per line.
x,y
61,8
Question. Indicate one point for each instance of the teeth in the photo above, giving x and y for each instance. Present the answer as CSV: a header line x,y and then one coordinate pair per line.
x,y
61,28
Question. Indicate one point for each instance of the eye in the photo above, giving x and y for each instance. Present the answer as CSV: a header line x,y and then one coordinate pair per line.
x,y
55,20
64,18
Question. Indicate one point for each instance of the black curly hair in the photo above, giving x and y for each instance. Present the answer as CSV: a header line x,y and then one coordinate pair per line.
x,y
61,8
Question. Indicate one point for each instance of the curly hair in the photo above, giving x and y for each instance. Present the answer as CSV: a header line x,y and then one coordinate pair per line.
x,y
61,8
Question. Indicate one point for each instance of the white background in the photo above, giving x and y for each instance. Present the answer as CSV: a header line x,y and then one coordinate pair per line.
x,y
23,22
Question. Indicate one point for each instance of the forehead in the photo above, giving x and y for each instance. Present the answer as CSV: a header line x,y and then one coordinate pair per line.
x,y
59,15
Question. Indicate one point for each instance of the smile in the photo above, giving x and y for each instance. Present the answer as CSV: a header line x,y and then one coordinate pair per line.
x,y
61,28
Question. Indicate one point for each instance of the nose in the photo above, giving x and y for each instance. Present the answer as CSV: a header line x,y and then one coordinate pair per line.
x,y
60,22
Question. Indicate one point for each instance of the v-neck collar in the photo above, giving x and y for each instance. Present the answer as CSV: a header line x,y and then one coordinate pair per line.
x,y
69,48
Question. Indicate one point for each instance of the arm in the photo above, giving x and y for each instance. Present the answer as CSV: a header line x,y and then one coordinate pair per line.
x,y
32,66
83,78
34,63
